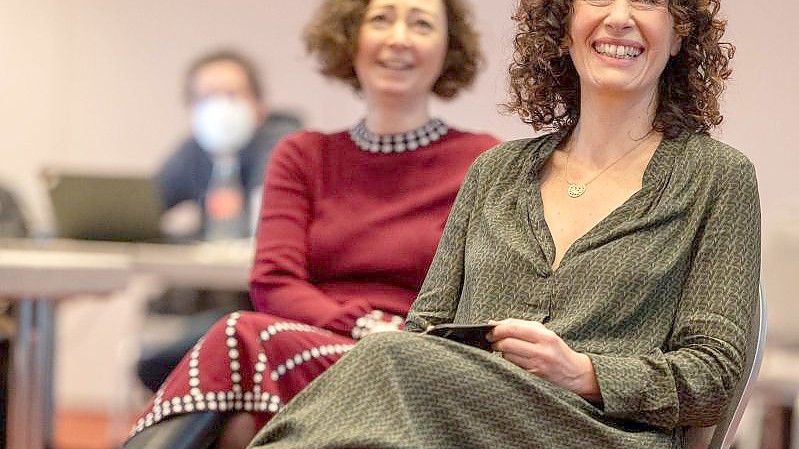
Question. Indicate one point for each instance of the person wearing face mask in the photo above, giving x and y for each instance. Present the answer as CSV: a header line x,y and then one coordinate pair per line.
x,y
350,221
219,169
230,126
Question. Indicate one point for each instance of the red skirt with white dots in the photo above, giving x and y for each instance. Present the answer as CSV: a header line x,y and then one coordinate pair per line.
x,y
247,362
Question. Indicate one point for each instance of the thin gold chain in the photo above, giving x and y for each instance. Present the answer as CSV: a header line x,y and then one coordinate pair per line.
x,y
585,184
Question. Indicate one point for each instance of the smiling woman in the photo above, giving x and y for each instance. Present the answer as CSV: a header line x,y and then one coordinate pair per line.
x,y
617,258
333,37
401,48
545,85
610,53
349,224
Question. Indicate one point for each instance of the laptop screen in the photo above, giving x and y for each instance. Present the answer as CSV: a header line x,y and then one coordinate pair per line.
x,y
105,207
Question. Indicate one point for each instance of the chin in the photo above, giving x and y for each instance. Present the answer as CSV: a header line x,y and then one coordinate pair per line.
x,y
394,91
620,84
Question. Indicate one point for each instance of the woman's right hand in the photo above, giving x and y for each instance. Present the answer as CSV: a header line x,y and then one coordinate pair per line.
x,y
540,351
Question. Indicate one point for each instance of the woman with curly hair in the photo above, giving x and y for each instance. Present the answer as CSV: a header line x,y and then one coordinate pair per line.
x,y
349,225
617,257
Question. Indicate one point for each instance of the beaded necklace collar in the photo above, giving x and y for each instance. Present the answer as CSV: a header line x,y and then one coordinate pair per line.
x,y
420,137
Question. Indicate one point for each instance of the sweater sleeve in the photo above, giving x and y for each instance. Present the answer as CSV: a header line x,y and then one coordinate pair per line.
x,y
688,383
438,299
279,282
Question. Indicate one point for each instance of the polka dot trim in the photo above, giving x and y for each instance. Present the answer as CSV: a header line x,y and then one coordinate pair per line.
x,y
260,367
194,369
276,328
235,400
307,355
233,353
223,401
421,137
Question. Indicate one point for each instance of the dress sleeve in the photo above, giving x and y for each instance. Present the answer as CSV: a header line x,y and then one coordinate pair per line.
x,y
689,383
438,299
280,282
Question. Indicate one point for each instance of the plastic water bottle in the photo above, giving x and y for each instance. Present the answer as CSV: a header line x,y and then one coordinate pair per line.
x,y
224,202
254,211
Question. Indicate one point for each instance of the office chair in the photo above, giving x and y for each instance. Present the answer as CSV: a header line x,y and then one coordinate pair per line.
x,y
722,435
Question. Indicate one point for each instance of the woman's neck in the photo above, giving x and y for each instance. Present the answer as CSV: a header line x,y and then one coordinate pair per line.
x,y
610,124
392,116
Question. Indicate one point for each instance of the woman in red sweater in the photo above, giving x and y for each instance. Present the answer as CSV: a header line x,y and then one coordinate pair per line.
x,y
350,220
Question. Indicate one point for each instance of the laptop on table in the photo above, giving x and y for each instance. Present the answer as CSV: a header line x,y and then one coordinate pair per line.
x,y
105,207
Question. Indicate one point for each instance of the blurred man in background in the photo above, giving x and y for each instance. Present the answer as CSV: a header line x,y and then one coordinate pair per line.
x,y
230,123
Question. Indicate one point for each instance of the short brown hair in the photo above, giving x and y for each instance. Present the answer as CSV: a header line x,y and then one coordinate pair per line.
x,y
545,86
332,35
224,55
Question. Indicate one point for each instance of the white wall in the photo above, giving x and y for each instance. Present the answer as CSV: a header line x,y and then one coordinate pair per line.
x,y
30,87
97,83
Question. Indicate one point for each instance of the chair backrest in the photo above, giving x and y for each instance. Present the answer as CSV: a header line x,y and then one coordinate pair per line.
x,y
722,435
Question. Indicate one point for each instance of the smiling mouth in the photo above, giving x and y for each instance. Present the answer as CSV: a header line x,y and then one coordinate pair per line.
x,y
395,65
618,51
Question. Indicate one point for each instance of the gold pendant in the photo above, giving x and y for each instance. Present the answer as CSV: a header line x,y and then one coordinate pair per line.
x,y
576,190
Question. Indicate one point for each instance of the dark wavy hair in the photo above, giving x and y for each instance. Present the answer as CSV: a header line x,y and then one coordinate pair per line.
x,y
332,36
545,87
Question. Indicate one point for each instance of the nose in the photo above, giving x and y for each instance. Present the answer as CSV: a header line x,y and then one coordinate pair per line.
x,y
619,16
398,35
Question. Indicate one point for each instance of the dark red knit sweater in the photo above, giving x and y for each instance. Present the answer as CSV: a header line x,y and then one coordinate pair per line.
x,y
343,231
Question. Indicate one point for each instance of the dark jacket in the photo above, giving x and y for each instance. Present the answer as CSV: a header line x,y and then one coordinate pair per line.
x,y
187,172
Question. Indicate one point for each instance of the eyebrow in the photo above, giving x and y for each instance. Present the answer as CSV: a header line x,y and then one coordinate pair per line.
x,y
414,9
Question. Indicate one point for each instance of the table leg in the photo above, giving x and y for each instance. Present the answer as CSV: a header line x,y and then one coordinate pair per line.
x,y
44,323
31,401
794,428
20,387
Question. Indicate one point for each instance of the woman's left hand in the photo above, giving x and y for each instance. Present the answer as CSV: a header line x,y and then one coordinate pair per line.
x,y
533,347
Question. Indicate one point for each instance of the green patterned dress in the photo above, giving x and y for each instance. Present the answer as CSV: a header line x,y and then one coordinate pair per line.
x,y
659,294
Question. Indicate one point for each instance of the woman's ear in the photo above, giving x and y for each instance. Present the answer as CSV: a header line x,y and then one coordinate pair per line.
x,y
676,45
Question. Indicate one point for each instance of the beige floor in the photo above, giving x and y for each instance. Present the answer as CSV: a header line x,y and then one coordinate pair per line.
x,y
81,429
98,340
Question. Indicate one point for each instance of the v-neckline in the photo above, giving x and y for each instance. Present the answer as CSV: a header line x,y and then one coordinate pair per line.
x,y
649,181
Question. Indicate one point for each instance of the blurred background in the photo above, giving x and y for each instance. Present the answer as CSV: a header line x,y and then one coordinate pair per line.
x,y
97,85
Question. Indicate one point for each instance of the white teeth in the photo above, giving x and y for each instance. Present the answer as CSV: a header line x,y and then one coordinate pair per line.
x,y
397,65
618,51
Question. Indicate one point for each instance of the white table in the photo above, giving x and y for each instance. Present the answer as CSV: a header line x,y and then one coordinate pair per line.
x,y
212,266
37,275
36,280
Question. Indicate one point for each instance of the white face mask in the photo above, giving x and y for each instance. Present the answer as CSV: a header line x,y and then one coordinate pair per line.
x,y
222,124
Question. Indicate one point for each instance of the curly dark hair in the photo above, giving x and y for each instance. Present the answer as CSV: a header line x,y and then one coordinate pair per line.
x,y
332,35
545,87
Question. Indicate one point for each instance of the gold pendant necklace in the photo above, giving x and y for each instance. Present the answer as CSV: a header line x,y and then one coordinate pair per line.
x,y
577,189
